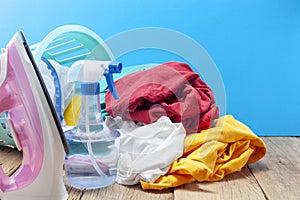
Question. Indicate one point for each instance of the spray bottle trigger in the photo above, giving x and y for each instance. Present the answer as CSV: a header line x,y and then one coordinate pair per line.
x,y
111,86
113,67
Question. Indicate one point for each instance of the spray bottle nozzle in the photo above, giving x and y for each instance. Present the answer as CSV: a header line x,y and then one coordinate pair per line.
x,y
113,67
87,71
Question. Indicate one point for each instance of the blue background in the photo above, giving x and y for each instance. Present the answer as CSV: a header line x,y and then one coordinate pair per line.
x,y
255,44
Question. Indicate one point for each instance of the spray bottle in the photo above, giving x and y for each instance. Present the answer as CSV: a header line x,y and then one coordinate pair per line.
x,y
94,152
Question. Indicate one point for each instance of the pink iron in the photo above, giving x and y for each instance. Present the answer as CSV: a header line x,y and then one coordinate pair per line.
x,y
35,126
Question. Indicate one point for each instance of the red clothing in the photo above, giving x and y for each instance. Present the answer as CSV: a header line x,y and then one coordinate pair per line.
x,y
172,89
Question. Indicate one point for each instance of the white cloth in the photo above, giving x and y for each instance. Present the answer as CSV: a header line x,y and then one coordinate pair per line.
x,y
147,151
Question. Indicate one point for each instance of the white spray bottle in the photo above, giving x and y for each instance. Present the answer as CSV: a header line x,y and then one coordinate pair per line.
x,y
94,152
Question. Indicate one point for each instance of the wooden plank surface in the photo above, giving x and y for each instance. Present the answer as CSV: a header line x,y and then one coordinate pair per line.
x,y
120,192
278,173
239,185
276,176
10,159
74,193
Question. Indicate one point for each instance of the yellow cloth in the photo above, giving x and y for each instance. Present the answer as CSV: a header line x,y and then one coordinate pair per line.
x,y
72,112
212,154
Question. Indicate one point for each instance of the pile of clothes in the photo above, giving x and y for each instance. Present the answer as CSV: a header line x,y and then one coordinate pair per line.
x,y
171,131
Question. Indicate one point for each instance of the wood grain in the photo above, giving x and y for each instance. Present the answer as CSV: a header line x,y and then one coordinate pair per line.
x,y
10,159
278,174
74,193
239,185
119,192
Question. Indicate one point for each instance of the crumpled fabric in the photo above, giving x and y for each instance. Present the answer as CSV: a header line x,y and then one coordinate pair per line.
x,y
172,89
146,151
212,154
